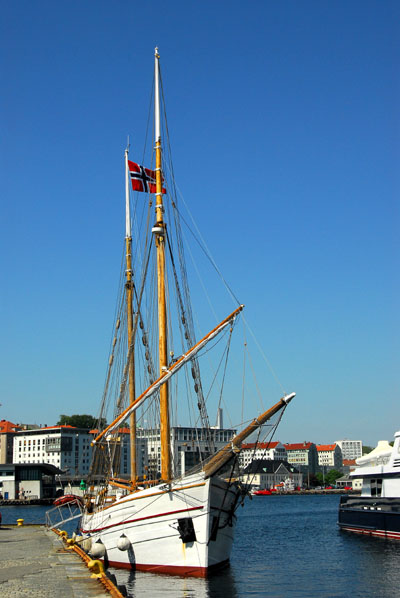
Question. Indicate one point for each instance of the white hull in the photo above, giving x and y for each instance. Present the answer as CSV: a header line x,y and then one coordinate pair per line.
x,y
149,519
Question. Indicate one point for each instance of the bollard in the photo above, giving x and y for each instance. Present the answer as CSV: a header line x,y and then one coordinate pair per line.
x,y
96,567
20,522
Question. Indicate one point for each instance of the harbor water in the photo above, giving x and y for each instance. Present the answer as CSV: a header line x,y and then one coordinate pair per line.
x,y
285,546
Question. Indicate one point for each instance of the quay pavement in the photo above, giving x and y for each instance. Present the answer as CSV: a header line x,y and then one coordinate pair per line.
x,y
35,563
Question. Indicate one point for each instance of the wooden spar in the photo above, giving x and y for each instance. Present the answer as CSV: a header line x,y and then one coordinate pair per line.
x,y
159,233
226,453
168,373
129,310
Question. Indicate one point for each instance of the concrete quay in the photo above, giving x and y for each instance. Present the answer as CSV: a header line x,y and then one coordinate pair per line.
x,y
34,562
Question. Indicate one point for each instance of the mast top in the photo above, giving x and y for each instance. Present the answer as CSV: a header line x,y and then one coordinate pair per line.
x,y
128,232
157,96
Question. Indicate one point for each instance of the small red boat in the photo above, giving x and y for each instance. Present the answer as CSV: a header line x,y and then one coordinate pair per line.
x,y
261,492
66,499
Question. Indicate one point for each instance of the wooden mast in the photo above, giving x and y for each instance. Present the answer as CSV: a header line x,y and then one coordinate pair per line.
x,y
167,373
159,233
129,312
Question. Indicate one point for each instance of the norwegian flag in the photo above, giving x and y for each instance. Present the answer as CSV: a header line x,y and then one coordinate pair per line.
x,y
143,179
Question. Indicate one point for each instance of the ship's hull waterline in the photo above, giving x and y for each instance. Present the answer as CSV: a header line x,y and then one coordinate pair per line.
x,y
184,529
370,516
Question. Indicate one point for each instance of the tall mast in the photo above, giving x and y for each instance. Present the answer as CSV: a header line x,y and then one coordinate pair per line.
x,y
129,312
159,233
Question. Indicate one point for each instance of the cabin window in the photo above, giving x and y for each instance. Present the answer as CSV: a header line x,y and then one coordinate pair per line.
x,y
376,487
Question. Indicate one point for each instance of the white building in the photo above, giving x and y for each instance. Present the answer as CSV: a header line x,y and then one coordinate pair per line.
x,y
264,474
303,455
65,447
329,457
261,450
69,449
189,446
351,449
123,439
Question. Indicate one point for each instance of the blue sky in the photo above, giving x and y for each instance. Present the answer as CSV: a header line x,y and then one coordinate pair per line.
x,y
284,121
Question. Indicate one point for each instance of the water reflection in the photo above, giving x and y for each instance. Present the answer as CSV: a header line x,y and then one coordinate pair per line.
x,y
375,564
138,584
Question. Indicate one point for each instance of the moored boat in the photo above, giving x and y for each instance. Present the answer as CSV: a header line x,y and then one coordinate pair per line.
x,y
175,521
66,499
376,512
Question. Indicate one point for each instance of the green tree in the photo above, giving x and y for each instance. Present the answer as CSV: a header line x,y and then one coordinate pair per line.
x,y
80,421
329,478
332,476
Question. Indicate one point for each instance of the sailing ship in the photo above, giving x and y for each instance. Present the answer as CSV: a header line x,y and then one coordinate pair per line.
x,y
166,521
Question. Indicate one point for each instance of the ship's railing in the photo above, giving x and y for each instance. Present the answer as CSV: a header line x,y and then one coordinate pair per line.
x,y
59,515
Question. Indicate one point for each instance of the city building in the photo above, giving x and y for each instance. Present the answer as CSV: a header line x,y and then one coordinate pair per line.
x,y
123,466
69,449
351,449
189,446
304,456
261,450
329,457
8,431
66,447
264,474
28,481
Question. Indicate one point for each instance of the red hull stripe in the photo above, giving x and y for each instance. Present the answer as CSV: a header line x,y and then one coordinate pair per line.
x,y
171,569
99,529
378,533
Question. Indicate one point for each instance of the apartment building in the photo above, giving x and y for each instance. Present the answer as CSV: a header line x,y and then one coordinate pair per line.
x,y
189,446
123,441
351,449
66,447
261,450
303,455
329,457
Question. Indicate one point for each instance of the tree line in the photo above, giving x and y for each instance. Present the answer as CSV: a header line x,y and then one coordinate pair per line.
x,y
81,421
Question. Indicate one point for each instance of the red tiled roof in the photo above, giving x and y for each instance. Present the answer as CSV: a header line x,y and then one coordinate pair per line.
x,y
8,427
120,431
260,445
348,462
298,446
326,447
